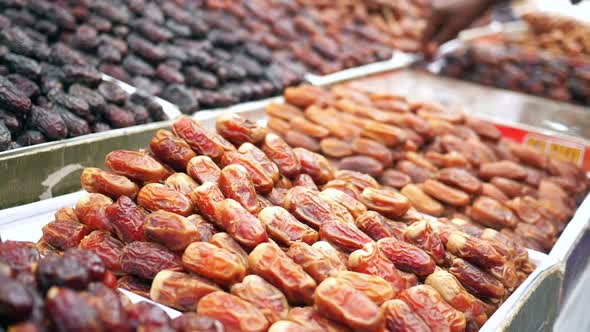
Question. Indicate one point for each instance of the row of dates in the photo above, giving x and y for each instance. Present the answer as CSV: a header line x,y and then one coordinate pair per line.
x,y
445,163
277,231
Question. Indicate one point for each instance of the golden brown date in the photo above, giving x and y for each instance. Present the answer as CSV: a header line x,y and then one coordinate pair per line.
x,y
205,197
155,196
362,164
64,234
314,262
283,111
264,296
239,223
359,180
335,148
146,259
224,241
474,250
281,154
484,129
309,128
491,213
339,301
66,214
234,313
203,169
205,229
421,235
353,206
417,174
91,211
304,180
376,226
269,262
282,227
315,165
95,180
344,186
511,188
489,190
255,153
136,166
370,260
214,263
444,193
312,320
395,179
169,229
307,206
399,316
529,156
338,210
454,294
384,133
238,129
539,235
346,237
306,95
200,139
506,274
172,150
505,168
298,139
182,183
279,126
432,308
374,287
263,180
475,280
235,183
460,178
421,201
386,202
373,149
407,257
180,290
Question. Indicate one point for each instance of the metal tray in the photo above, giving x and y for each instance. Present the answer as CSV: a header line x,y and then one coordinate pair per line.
x,y
531,307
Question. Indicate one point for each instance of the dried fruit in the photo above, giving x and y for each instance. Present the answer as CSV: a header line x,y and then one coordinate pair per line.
x,y
359,180
59,304
236,183
473,250
377,227
182,183
505,168
234,313
191,321
395,179
169,229
255,153
239,224
172,150
264,296
421,235
307,206
362,164
214,263
371,260
200,139
374,287
281,154
491,213
136,166
90,210
460,178
335,148
205,198
407,257
95,180
54,270
145,259
314,262
64,234
430,306
284,228
386,202
475,280
312,320
239,130
155,196
345,237
421,201
399,316
444,193
19,255
180,290
263,180
335,196
106,247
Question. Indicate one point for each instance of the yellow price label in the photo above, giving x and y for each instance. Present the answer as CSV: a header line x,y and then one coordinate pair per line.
x,y
537,143
565,153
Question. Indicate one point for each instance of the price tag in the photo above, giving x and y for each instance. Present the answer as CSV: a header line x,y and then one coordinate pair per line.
x,y
565,153
558,150
536,143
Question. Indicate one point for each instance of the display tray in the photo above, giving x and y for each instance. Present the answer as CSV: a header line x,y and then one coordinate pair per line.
x,y
531,307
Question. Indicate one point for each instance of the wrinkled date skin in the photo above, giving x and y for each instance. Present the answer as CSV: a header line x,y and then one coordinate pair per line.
x,y
313,261
191,321
370,260
239,130
239,224
169,229
505,168
236,183
269,262
386,202
374,287
136,166
200,139
307,206
492,213
432,308
359,180
445,193
343,236
353,206
182,183
203,169
362,164
224,241
407,257
475,280
135,285
344,186
264,296
256,154
127,219
155,196
312,320
474,250
282,227
339,301
95,180
395,179
90,210
180,290
281,154
263,181
214,263
59,305
304,180
106,247
145,259
315,165
338,210
172,150
19,255
234,313
64,234
421,201
205,197
399,316
421,235
460,178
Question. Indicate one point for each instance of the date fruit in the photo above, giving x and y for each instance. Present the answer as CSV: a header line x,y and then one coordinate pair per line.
x,y
239,223
145,259
281,154
264,296
238,130
155,196
169,229
407,257
234,313
127,219
282,227
386,202
95,180
136,166
235,183
214,263
180,290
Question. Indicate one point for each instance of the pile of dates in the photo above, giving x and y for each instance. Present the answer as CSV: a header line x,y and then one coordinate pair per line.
x,y
328,36
444,162
523,69
50,92
75,292
172,49
239,226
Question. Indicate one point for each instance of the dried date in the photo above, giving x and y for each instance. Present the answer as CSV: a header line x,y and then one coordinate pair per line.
x,y
155,196
407,257
264,296
171,230
145,260
136,166
180,290
234,313
282,227
214,263
172,150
